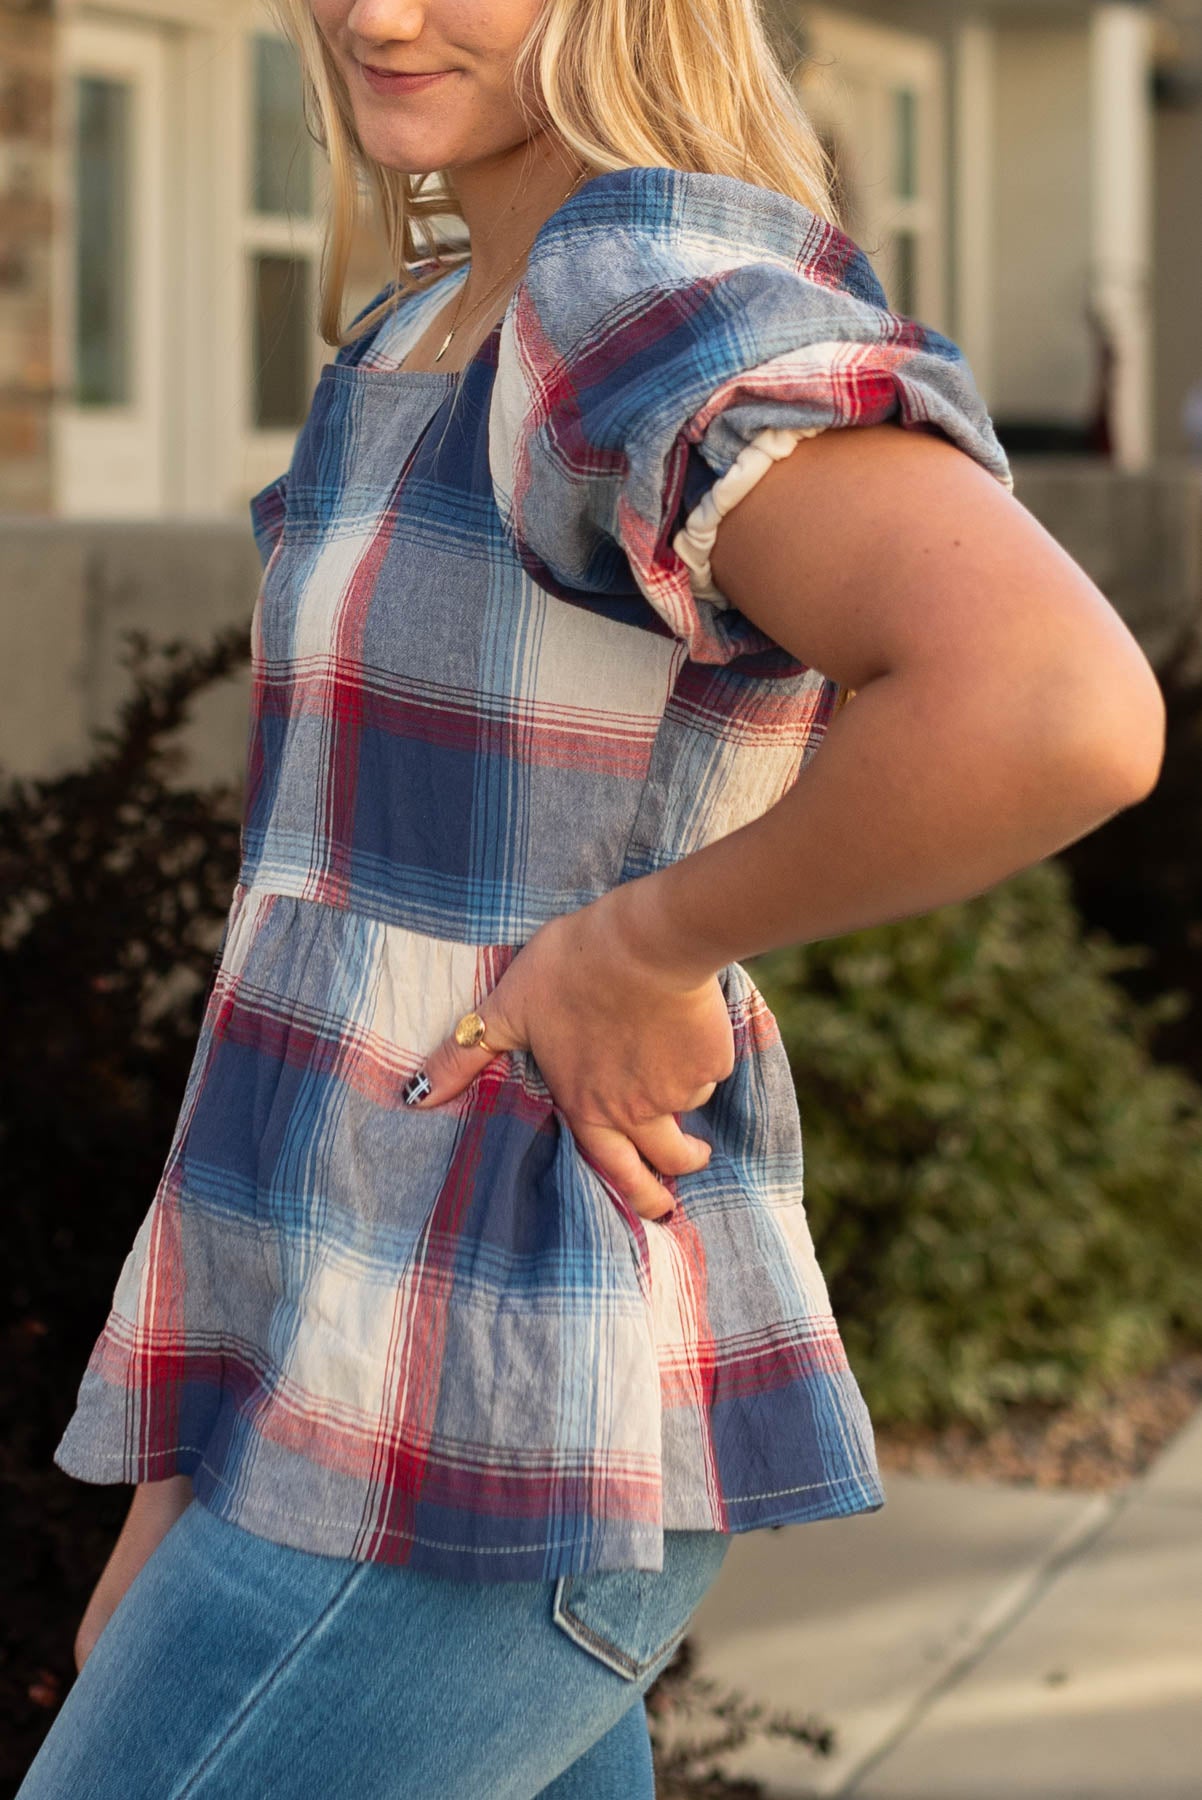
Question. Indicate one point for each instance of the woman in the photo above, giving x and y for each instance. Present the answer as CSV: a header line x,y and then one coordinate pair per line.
x,y
477,1307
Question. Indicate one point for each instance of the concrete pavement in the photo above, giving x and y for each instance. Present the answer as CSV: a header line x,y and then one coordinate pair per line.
x,y
977,1641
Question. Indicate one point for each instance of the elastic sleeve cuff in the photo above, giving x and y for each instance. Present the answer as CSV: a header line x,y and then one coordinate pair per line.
x,y
694,542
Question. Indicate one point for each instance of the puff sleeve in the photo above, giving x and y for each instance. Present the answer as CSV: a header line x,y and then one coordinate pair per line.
x,y
674,334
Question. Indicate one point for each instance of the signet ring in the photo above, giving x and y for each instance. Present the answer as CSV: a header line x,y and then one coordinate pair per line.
x,y
469,1033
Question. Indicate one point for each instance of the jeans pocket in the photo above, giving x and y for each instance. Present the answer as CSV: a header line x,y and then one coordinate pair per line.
x,y
632,1620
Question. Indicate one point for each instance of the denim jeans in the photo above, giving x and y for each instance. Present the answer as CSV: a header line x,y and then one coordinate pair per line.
x,y
236,1668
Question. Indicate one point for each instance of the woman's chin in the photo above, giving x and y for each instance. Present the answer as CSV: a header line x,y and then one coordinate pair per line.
x,y
406,161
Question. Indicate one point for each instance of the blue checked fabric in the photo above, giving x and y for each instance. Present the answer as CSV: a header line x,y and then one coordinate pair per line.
x,y
493,678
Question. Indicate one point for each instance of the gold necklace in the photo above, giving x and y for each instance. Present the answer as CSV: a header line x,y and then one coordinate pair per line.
x,y
455,323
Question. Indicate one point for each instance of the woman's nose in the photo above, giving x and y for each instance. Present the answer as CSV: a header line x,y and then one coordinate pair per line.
x,y
375,22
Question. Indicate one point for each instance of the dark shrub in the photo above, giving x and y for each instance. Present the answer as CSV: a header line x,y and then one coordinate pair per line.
x,y
1140,877
114,883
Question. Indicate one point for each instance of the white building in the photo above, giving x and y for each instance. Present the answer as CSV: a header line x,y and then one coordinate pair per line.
x,y
187,259
1027,173
1024,173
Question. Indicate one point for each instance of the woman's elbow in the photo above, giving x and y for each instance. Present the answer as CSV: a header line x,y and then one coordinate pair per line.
x,y
1111,729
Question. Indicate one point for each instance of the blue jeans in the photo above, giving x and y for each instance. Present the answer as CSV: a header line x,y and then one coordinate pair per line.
x,y
236,1668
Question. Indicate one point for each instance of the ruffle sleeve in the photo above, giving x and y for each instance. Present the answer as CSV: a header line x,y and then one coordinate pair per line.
x,y
673,335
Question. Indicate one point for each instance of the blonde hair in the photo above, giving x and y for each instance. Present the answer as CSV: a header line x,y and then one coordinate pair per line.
x,y
683,84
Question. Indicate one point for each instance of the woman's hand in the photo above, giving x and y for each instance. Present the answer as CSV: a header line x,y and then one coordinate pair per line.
x,y
155,1507
622,1040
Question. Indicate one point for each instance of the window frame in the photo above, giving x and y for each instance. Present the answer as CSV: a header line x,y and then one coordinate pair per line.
x,y
850,86
290,235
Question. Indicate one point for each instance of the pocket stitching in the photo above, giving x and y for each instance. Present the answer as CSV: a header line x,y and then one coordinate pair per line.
x,y
603,1648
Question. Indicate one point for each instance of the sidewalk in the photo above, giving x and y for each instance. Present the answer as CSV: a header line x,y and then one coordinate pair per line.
x,y
974,1641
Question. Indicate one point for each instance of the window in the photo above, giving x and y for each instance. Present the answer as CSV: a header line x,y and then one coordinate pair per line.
x,y
903,283
282,304
905,143
282,169
115,294
102,242
876,93
282,238
906,211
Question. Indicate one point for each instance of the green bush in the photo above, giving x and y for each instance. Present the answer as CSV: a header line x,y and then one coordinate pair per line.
x,y
1005,1190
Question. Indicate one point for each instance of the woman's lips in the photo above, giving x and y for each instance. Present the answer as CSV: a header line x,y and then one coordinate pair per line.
x,y
381,82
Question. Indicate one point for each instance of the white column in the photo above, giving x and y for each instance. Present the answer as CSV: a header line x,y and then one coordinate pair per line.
x,y
974,196
1120,222
200,352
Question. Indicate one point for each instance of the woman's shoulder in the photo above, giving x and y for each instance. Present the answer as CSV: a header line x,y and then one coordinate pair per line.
x,y
633,228
668,320
649,276
652,292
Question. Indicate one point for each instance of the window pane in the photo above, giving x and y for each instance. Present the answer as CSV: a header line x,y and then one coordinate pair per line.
x,y
904,295
102,242
283,166
905,143
282,338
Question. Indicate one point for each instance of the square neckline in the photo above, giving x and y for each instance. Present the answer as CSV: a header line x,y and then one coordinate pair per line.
x,y
441,379
450,378
584,209
411,326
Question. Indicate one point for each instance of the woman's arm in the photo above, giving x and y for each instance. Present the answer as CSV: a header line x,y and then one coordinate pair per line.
x,y
1002,708
153,1510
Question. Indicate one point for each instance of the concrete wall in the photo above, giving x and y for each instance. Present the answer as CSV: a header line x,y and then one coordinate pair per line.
x,y
72,588
1139,536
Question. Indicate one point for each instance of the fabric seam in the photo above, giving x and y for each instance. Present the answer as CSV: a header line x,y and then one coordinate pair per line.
x,y
207,1764
864,1476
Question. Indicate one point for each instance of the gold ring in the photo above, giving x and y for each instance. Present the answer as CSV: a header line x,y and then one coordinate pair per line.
x,y
469,1033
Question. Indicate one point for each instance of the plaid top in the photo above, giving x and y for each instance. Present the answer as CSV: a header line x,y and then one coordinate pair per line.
x,y
492,678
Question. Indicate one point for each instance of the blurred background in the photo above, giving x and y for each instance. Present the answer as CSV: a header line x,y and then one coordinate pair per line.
x,y
1001,1102
1024,174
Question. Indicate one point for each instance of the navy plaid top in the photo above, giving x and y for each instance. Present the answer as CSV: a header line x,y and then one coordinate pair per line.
x,y
493,678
